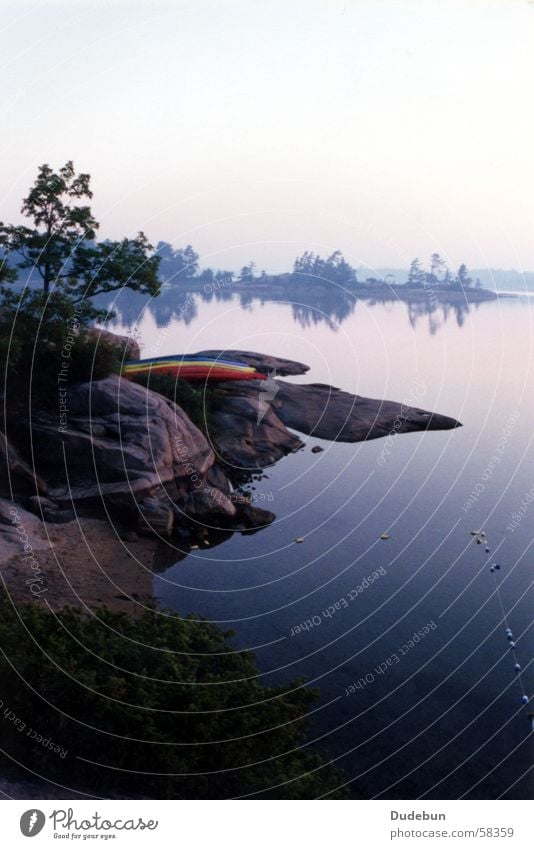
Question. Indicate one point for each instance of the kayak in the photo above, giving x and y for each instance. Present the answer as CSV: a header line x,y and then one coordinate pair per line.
x,y
156,366
198,374
190,358
200,368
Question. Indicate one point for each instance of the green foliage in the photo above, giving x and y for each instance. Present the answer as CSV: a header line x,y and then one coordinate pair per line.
x,y
93,358
61,248
38,335
7,273
195,401
108,266
157,707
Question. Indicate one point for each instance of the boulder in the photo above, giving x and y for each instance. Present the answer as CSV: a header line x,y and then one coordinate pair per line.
x,y
128,348
329,413
252,519
121,441
16,475
21,533
207,506
49,511
247,431
155,517
139,453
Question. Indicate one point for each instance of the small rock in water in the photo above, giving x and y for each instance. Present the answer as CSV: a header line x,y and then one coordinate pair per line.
x,y
475,533
317,449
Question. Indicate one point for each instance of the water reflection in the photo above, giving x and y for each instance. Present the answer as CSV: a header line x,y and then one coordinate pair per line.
x,y
310,305
438,315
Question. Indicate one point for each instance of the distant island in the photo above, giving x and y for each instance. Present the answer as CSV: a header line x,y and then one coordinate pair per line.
x,y
312,273
180,268
496,279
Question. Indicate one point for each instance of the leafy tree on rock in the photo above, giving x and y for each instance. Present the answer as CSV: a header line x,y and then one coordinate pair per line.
x,y
61,244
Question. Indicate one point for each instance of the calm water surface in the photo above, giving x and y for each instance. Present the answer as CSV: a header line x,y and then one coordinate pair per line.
x,y
444,720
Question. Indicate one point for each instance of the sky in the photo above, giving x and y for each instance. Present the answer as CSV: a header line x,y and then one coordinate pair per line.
x,y
257,129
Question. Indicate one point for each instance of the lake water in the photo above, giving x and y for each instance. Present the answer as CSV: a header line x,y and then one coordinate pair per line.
x,y
440,717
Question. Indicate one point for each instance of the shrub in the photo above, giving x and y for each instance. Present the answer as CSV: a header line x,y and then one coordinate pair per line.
x,y
157,707
93,358
37,335
195,401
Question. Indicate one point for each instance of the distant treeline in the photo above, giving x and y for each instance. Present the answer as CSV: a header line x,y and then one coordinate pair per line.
x,y
181,264
499,279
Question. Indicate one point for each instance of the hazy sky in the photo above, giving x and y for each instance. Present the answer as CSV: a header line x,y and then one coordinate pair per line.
x,y
256,129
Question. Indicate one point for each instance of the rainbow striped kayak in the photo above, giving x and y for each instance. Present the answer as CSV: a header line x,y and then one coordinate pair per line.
x,y
192,368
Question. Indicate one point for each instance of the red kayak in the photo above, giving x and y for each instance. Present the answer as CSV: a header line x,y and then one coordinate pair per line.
x,y
202,373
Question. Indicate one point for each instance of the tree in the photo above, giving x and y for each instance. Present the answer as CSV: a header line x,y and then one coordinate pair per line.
x,y
462,277
182,263
224,278
7,273
246,275
61,245
304,264
338,270
437,264
335,268
416,275
165,252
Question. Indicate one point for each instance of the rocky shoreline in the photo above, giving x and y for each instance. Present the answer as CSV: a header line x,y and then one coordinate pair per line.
x,y
130,485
